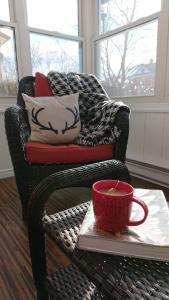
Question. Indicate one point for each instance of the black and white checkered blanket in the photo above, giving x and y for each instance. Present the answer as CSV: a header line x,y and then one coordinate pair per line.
x,y
97,110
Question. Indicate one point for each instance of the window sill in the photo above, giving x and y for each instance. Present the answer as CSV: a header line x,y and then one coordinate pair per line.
x,y
160,107
5,102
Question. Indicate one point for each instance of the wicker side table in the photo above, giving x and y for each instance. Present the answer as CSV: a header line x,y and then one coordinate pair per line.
x,y
98,276
118,277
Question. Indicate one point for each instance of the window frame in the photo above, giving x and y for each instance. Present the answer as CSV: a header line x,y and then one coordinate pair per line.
x,y
161,55
64,36
68,37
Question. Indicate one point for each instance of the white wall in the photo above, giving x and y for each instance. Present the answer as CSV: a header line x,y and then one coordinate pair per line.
x,y
5,162
148,147
6,169
149,138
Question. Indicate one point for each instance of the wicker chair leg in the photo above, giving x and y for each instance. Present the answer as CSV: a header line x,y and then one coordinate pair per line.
x,y
41,294
24,214
38,258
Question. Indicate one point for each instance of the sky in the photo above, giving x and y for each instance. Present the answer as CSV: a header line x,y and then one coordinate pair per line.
x,y
55,15
113,7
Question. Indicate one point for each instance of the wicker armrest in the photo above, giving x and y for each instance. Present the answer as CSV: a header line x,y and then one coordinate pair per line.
x,y
17,126
17,131
122,121
73,177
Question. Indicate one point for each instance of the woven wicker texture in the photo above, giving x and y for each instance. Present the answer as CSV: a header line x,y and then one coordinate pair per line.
x,y
119,277
68,178
71,284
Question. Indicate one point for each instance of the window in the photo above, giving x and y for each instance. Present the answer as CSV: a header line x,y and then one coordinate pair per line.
x,y
8,70
53,53
54,39
126,46
38,36
8,66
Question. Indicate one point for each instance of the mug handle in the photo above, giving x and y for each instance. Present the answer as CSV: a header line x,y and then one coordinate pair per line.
x,y
144,207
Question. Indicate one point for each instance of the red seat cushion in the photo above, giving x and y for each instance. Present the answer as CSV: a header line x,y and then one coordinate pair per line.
x,y
70,153
42,87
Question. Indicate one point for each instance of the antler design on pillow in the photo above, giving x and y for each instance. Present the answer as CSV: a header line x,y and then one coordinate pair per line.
x,y
41,126
76,119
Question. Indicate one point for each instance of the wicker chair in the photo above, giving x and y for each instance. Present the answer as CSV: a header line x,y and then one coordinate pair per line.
x,y
17,130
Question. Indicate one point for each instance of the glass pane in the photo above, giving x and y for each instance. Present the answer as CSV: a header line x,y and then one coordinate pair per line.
x,y
54,15
8,69
126,62
4,11
51,53
117,13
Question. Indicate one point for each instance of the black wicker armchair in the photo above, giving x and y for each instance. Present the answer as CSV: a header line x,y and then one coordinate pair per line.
x,y
27,174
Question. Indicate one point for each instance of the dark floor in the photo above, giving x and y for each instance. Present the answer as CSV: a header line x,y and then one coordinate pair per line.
x,y
15,270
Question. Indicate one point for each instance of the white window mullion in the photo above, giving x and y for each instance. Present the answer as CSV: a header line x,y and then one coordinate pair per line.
x,y
82,47
164,52
128,26
56,34
162,43
22,39
11,10
88,29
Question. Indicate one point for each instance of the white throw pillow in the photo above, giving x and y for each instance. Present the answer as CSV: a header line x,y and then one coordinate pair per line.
x,y
53,120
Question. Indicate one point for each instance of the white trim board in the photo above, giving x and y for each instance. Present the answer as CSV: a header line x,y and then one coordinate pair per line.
x,y
6,173
149,173
152,107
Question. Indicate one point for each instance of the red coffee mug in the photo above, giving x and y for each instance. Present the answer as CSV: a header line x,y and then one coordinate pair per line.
x,y
112,212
